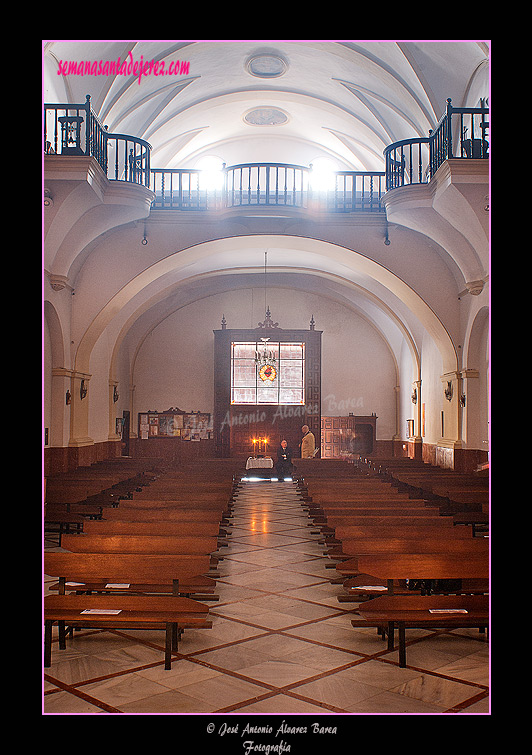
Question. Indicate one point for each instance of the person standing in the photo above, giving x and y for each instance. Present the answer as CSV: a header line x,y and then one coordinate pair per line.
x,y
308,443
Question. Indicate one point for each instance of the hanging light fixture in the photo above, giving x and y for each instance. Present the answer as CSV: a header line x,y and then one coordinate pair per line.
x,y
265,359
264,356
268,322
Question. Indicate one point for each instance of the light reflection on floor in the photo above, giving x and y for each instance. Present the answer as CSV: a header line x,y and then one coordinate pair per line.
x,y
281,642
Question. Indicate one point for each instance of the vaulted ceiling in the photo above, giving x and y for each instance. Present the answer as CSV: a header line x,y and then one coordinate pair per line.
x,y
271,101
268,101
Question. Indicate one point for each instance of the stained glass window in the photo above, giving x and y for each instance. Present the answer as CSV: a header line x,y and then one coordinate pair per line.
x,y
280,381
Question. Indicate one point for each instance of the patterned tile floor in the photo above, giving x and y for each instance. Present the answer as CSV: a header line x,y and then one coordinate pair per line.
x,y
280,644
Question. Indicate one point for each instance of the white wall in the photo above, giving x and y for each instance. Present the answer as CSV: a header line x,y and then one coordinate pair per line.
x,y
175,366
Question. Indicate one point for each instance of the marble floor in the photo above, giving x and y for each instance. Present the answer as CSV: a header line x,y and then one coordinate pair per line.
x,y
280,644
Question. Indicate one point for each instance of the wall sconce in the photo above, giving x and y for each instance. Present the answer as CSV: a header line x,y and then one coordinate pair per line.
x,y
83,390
68,398
116,395
414,396
462,400
449,391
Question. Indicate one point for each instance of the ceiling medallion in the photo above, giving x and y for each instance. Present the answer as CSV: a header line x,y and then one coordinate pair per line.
x,y
266,116
266,66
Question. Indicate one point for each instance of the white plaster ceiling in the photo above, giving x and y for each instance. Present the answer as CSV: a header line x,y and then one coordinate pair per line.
x,y
342,99
346,99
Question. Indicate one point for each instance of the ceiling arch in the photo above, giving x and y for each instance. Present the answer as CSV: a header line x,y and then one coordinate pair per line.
x,y
386,322
307,257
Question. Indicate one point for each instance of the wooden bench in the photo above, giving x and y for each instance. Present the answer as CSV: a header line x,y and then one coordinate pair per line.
x,y
417,566
125,572
430,479
334,517
479,521
362,546
337,517
63,522
163,544
174,503
368,500
127,527
83,508
426,612
380,503
348,531
165,515
132,612
364,587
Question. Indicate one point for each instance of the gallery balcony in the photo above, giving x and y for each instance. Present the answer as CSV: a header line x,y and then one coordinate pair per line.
x,y
462,133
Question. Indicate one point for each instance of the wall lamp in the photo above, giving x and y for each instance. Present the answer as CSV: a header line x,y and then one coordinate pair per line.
x,y
83,390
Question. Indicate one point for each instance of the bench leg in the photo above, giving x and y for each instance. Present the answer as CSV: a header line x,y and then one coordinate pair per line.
x,y
402,645
391,629
47,643
168,645
175,636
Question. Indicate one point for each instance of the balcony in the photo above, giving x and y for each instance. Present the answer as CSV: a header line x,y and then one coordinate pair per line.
x,y
462,133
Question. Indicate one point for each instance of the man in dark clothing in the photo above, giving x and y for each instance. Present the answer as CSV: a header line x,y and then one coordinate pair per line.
x,y
283,467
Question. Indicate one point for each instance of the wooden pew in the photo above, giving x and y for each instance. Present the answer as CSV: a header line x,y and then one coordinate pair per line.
x,y
429,480
221,499
195,503
134,514
380,503
337,517
127,527
427,612
364,586
478,520
417,566
162,544
348,531
362,546
381,466
125,572
338,498
63,522
461,495
173,614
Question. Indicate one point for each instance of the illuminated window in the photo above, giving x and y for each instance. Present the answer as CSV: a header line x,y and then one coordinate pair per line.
x,y
211,176
323,174
279,381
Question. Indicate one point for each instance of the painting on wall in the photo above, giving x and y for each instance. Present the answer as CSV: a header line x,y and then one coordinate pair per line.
x,y
187,426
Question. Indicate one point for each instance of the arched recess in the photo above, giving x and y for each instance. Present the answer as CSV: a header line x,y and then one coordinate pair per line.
x,y
475,378
53,322
211,258
56,377
389,313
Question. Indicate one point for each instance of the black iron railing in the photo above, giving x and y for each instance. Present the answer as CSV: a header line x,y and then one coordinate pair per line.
x,y
75,130
267,185
462,133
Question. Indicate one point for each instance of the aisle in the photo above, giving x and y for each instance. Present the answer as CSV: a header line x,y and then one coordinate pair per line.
x,y
280,643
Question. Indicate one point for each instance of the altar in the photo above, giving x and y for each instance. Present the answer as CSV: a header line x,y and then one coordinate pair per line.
x,y
264,462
